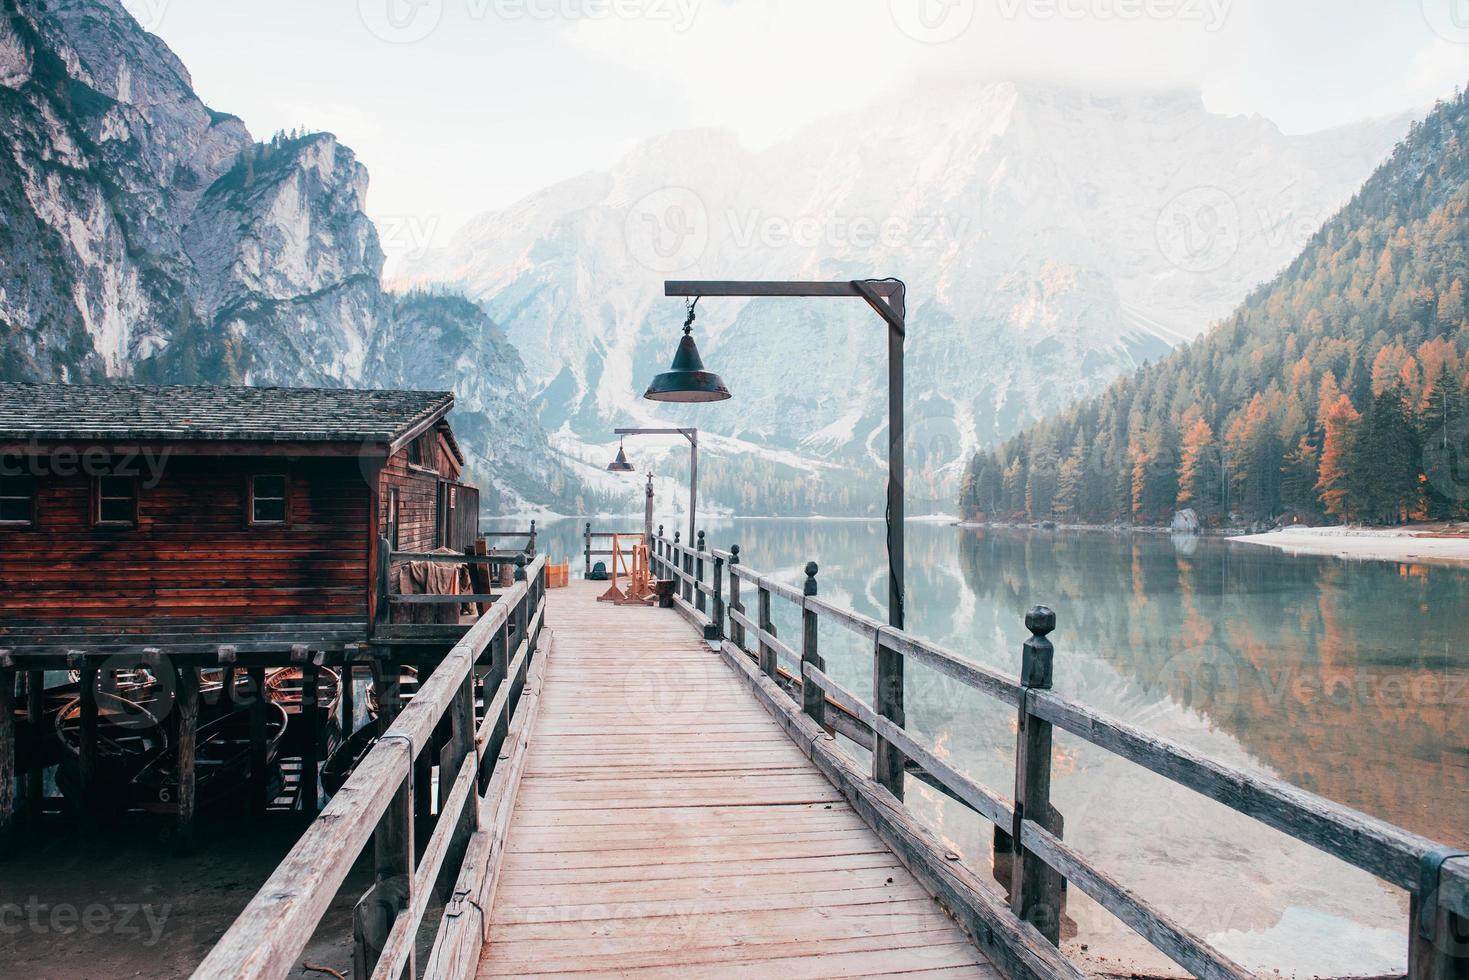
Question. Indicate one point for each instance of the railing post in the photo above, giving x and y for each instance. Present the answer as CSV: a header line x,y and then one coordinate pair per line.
x,y
813,699
661,549
679,586
521,615
769,662
736,630
699,575
587,550
1035,890
530,548
888,763
718,617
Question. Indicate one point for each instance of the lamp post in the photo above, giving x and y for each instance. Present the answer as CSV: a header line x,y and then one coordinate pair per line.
x,y
688,381
692,435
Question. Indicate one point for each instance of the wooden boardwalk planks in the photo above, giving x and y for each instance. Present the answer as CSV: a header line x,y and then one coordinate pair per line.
x,y
667,826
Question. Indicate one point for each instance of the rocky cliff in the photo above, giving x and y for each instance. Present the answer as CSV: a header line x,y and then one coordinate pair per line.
x,y
144,235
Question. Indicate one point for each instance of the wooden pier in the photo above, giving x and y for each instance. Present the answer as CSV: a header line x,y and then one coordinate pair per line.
x,y
665,823
683,792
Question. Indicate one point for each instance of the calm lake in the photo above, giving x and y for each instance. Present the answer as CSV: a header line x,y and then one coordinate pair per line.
x,y
1349,679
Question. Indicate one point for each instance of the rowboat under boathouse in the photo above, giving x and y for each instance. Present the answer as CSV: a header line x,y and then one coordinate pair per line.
x,y
174,551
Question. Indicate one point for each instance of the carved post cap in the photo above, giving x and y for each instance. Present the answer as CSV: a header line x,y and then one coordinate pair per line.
x,y
1040,620
811,569
734,552
701,540
676,536
660,530
520,568
532,527
589,527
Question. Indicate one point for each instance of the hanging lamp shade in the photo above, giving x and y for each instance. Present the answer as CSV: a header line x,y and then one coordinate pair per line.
x,y
686,380
620,464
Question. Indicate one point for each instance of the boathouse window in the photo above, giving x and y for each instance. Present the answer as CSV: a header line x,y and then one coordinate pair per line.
x,y
268,498
115,501
17,501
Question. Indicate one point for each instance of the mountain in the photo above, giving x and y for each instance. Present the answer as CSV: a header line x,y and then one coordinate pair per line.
x,y
146,236
1051,240
1336,390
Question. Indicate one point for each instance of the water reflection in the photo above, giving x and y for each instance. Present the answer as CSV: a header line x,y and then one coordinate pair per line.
x,y
1346,678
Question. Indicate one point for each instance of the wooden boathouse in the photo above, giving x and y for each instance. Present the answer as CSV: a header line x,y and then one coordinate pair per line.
x,y
206,536
685,792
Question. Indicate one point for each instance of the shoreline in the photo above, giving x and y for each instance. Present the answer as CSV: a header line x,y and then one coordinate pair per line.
x,y
1444,544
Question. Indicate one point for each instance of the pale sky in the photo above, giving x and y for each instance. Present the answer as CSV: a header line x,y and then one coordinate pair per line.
x,y
461,106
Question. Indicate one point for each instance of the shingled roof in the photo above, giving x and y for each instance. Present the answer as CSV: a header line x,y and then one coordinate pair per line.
x,y
214,413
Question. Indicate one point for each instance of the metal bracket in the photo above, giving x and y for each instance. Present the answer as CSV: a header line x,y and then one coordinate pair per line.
x,y
412,749
1430,868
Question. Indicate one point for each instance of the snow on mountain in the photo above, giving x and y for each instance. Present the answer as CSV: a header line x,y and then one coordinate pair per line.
x,y
1051,240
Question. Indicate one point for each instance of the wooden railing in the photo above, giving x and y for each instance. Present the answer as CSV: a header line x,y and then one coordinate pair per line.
x,y
529,537
591,539
1436,877
376,806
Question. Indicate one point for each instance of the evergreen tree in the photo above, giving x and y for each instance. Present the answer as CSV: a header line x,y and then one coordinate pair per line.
x,y
1069,482
1198,472
1443,429
1336,453
1040,487
1383,480
1298,479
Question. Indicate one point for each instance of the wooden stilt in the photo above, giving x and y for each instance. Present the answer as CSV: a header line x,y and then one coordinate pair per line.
x,y
259,757
87,762
188,753
310,718
36,717
423,766
348,701
7,757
